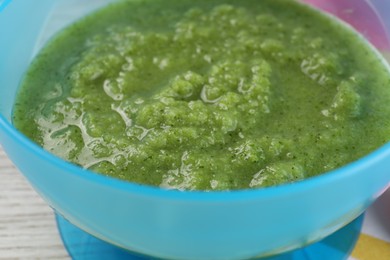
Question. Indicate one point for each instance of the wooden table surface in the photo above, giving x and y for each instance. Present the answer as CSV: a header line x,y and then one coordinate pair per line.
x,y
27,225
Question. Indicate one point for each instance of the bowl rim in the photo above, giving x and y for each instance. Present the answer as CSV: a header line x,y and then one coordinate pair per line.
x,y
327,178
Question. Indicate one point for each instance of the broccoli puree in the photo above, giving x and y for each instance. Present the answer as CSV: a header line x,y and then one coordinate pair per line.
x,y
207,94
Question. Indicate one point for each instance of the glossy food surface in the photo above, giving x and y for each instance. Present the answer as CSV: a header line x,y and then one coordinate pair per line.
x,y
207,95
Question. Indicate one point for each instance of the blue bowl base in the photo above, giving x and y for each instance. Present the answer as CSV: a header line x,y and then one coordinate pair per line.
x,y
83,246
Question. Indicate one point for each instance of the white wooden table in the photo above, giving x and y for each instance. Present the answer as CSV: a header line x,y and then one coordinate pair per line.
x,y
27,225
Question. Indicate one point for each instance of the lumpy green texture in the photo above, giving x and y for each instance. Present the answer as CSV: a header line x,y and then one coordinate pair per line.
x,y
207,94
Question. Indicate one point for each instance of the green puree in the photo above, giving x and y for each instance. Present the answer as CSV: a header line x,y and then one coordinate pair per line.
x,y
207,94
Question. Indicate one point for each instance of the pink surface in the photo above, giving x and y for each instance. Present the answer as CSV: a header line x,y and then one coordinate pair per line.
x,y
361,15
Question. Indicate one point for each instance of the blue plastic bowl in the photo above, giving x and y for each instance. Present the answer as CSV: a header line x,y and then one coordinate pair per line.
x,y
171,224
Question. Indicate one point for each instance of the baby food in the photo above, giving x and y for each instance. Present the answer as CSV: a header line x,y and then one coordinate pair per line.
x,y
207,94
